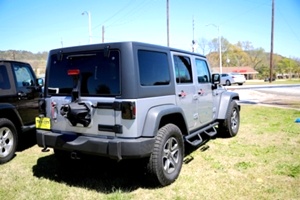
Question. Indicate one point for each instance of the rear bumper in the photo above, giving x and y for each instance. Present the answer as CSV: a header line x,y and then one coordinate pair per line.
x,y
115,148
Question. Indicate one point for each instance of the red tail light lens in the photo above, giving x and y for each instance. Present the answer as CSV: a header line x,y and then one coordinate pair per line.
x,y
73,72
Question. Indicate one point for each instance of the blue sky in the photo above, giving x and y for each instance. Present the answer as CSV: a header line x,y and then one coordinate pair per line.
x,y
43,25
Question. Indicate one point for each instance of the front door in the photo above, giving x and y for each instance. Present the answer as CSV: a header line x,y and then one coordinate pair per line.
x,y
204,91
27,92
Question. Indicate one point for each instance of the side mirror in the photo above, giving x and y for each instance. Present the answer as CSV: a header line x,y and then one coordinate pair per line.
x,y
216,80
40,82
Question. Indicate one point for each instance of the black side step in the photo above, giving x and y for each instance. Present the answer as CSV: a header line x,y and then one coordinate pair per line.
x,y
195,138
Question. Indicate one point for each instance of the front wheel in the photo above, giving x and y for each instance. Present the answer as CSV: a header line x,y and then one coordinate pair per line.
x,y
227,83
166,159
230,126
8,140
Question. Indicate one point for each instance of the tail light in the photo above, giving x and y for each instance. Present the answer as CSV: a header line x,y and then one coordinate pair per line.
x,y
128,110
73,72
42,106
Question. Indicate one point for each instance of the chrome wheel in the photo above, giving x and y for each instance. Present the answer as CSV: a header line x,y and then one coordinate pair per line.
x,y
166,159
170,157
6,141
234,120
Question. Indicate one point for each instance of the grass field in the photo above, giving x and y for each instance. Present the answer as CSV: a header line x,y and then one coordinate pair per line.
x,y
279,81
261,162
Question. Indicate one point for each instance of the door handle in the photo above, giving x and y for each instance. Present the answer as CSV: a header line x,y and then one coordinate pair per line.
x,y
22,96
182,94
201,92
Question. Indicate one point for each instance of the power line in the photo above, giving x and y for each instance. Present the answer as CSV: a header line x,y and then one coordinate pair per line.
x,y
111,17
133,13
290,27
238,16
124,18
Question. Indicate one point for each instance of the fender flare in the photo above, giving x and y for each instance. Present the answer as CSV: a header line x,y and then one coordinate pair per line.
x,y
155,115
226,98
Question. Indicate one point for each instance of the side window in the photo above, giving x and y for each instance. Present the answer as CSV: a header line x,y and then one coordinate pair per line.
x,y
153,68
183,69
4,81
23,75
202,71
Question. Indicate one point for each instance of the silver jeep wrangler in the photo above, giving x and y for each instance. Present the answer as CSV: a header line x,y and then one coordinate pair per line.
x,y
133,100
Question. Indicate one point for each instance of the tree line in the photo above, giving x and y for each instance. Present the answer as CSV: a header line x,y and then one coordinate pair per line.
x,y
233,55
36,60
244,54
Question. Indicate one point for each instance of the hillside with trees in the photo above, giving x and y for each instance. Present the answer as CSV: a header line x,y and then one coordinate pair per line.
x,y
243,54
36,60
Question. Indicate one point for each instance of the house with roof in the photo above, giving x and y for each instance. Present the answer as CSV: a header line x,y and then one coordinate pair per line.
x,y
248,72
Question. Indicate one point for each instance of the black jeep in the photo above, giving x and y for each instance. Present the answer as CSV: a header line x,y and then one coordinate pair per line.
x,y
19,94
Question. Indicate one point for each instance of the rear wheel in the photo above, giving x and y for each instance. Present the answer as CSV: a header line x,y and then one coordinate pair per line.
x,y
166,159
227,83
230,126
8,140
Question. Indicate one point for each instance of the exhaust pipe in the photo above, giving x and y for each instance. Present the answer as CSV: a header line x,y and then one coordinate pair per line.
x,y
75,156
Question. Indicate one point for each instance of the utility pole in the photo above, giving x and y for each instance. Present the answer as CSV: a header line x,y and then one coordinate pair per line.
x,y
61,42
168,39
90,25
272,39
220,45
102,34
193,41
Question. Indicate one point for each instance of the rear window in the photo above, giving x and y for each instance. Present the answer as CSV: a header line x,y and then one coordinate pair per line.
x,y
99,73
4,80
153,68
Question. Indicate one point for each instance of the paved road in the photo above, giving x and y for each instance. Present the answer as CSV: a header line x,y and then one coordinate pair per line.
x,y
288,91
268,95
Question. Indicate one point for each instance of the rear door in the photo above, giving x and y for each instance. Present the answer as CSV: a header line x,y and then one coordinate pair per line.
x,y
186,96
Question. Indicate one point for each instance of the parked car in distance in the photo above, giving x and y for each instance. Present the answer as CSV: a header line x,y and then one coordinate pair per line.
x,y
268,79
232,78
19,94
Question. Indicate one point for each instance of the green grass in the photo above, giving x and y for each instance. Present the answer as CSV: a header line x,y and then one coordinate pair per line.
x,y
261,162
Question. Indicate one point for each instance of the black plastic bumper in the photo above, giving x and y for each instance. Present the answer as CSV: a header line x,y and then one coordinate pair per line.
x,y
115,148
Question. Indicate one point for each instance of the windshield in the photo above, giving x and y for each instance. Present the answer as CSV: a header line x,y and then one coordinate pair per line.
x,y
99,74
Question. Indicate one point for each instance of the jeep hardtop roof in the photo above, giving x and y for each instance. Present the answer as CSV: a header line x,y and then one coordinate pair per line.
x,y
112,44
